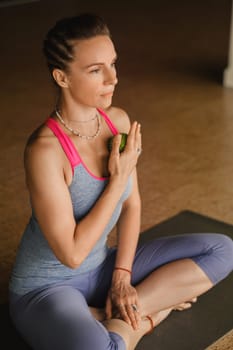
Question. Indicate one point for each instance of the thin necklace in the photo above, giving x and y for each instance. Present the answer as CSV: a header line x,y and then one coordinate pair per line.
x,y
75,132
85,121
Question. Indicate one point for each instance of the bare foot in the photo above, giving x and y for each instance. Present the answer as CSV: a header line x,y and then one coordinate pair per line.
x,y
162,315
98,314
185,305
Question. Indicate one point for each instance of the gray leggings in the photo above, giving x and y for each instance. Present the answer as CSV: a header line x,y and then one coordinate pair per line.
x,y
58,317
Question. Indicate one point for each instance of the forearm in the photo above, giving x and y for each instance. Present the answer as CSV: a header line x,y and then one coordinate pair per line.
x,y
128,232
122,293
91,227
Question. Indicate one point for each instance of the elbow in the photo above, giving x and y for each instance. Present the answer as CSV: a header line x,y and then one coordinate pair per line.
x,y
71,261
72,255
74,262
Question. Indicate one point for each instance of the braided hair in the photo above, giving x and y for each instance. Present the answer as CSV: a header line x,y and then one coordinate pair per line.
x,y
58,45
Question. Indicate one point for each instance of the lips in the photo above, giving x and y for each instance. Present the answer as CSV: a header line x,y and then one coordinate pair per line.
x,y
107,94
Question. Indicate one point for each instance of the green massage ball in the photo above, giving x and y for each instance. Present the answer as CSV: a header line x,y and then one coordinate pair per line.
x,y
122,144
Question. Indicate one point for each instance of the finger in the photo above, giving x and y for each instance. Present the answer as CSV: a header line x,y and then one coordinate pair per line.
x,y
116,144
133,315
132,136
124,314
137,141
139,136
137,311
115,154
108,308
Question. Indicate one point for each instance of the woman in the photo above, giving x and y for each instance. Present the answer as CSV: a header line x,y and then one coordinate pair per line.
x,y
68,289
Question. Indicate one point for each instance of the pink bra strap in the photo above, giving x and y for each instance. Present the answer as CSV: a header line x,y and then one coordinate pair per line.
x,y
65,142
112,127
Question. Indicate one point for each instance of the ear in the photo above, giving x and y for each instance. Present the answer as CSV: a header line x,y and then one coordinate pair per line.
x,y
60,77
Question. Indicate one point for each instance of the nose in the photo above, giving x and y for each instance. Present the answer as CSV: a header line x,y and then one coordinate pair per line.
x,y
110,76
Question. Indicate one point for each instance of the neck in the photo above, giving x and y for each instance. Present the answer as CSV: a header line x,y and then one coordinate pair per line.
x,y
75,113
76,132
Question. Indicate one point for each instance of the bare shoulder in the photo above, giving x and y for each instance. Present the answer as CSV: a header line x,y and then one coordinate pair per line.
x,y
120,118
41,146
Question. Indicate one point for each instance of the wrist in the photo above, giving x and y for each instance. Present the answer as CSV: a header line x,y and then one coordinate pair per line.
x,y
117,182
121,274
118,268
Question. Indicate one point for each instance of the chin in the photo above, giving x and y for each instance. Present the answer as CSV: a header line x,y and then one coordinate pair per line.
x,y
105,105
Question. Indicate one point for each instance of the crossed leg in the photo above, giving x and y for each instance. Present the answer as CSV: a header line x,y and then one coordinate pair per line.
x,y
171,286
176,283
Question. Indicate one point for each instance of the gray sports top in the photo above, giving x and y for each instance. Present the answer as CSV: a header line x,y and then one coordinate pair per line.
x,y
36,265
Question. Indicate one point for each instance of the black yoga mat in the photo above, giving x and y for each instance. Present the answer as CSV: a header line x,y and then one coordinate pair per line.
x,y
194,329
212,315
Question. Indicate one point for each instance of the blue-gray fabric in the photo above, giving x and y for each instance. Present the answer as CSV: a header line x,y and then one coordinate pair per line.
x,y
36,265
49,301
58,317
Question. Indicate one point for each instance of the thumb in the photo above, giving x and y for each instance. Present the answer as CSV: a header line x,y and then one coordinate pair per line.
x,y
108,308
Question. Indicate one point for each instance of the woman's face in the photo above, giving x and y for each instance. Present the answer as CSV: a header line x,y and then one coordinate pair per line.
x,y
92,75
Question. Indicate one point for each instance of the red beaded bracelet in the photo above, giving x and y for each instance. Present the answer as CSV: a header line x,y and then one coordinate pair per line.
x,y
123,269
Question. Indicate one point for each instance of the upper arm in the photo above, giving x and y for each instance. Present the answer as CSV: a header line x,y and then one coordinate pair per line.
x,y
50,197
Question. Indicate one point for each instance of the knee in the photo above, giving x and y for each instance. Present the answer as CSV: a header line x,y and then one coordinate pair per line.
x,y
225,253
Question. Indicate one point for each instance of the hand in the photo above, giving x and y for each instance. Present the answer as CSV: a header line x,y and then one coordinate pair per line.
x,y
122,164
122,302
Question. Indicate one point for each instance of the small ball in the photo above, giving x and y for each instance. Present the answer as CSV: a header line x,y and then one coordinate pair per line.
x,y
122,144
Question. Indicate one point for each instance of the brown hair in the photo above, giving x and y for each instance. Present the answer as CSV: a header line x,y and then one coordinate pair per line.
x,y
59,41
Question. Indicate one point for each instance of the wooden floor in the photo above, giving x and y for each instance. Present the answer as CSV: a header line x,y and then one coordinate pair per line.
x,y
171,62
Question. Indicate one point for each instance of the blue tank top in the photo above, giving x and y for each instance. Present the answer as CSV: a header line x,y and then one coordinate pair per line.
x,y
35,264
